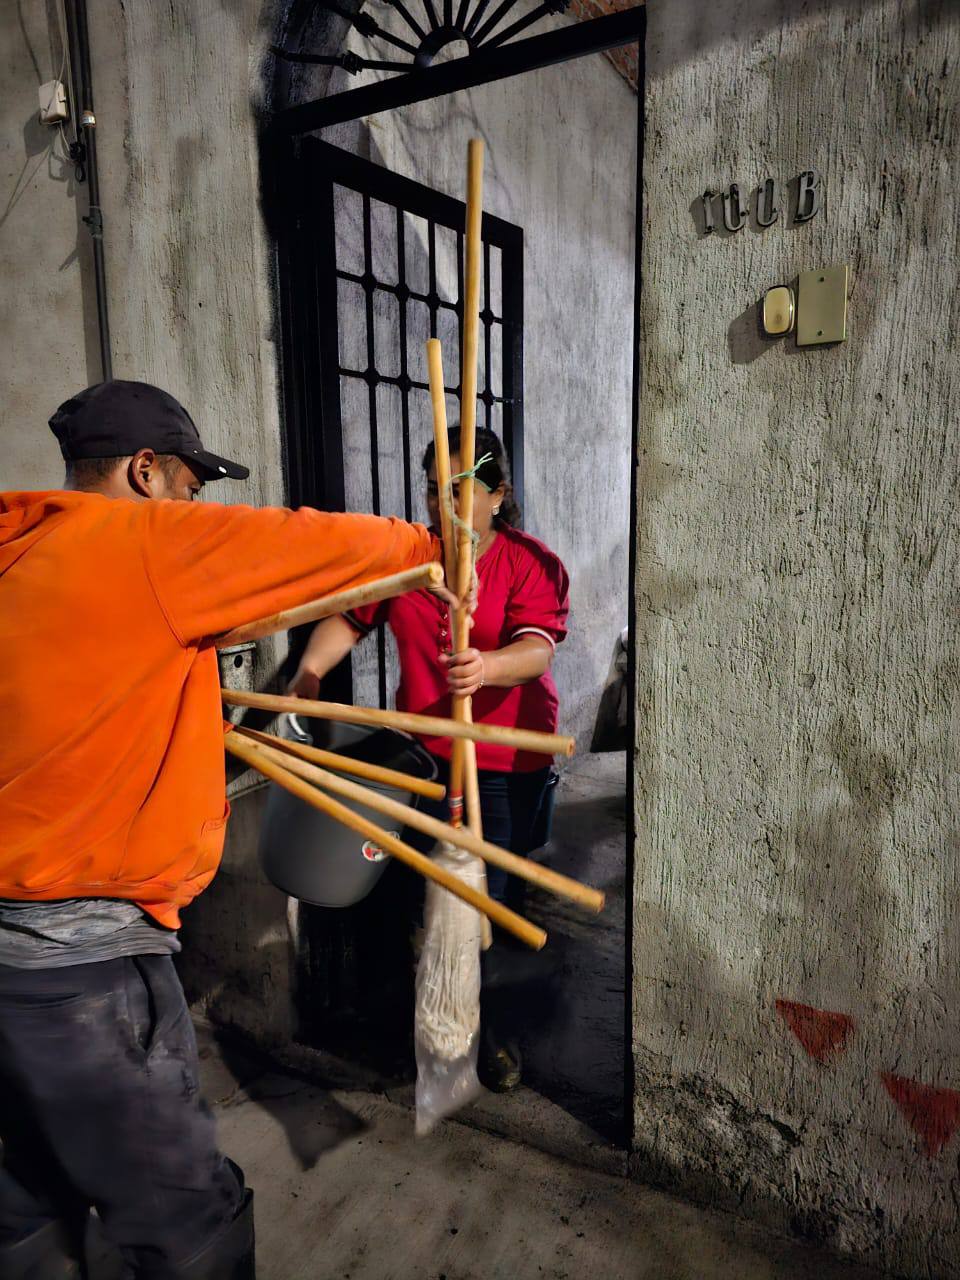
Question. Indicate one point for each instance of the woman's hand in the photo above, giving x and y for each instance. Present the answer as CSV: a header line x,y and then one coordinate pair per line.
x,y
305,684
524,659
465,671
330,642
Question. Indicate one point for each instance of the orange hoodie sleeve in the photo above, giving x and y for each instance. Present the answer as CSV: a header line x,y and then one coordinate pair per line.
x,y
215,567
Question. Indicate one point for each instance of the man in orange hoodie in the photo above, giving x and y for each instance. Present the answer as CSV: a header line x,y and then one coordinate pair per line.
x,y
112,817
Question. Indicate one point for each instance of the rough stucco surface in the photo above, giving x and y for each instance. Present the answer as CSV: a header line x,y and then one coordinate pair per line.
x,y
189,274
796,781
47,330
560,162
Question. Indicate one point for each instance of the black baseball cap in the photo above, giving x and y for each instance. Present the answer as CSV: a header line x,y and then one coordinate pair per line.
x,y
114,419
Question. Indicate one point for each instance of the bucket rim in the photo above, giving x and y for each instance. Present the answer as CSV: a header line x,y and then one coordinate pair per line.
x,y
293,721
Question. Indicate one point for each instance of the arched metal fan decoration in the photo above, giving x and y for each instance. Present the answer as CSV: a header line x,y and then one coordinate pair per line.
x,y
471,21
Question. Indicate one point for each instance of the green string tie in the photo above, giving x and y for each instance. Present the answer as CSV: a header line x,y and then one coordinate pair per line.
x,y
471,533
472,473
447,499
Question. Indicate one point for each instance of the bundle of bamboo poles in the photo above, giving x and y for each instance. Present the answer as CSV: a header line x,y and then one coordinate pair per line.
x,y
316,776
463,760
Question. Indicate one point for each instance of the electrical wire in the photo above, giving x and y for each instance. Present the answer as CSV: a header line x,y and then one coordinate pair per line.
x,y
71,150
21,186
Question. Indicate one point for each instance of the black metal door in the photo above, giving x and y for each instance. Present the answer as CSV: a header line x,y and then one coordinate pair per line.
x,y
371,267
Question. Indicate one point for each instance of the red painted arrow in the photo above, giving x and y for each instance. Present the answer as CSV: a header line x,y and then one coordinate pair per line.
x,y
932,1113
824,1034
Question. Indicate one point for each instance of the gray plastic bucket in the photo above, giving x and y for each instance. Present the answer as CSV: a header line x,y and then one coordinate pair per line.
x,y
312,856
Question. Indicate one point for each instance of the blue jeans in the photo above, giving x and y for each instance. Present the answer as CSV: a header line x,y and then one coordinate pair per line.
x,y
516,809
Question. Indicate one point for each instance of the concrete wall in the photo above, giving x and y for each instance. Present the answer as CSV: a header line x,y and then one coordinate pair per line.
x,y
560,163
796,781
47,321
188,264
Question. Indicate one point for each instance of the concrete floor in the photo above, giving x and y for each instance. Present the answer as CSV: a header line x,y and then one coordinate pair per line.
x,y
526,1186
344,1191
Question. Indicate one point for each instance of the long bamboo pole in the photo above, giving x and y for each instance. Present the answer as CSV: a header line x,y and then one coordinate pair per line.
x,y
257,757
344,764
463,759
549,744
468,362
471,787
464,838
397,584
468,440
441,450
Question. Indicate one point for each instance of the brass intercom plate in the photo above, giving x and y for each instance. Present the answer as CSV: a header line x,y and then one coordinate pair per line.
x,y
822,306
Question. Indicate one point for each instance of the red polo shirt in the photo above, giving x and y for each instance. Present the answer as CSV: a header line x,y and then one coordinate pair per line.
x,y
523,589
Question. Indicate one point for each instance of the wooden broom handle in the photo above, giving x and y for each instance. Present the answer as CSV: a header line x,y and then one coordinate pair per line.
x,y
258,758
359,768
548,744
397,584
463,837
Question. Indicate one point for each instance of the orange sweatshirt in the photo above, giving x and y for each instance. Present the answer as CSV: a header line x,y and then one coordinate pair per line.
x,y
111,732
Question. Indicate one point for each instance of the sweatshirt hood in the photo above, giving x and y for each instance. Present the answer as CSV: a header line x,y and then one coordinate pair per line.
x,y
26,518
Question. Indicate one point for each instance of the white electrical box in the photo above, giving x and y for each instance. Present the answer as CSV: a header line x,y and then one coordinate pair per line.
x,y
53,102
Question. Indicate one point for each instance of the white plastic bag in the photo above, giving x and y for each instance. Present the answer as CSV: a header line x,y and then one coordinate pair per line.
x,y
447,1020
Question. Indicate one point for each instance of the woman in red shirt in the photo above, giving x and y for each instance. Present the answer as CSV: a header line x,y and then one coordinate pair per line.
x,y
521,617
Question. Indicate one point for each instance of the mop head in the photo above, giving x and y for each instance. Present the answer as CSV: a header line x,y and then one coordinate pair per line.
x,y
447,1021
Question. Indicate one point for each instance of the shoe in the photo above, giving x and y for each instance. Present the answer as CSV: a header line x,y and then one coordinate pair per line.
x,y
44,1255
499,1066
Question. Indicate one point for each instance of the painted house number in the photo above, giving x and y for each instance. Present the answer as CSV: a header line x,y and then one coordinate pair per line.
x,y
735,208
